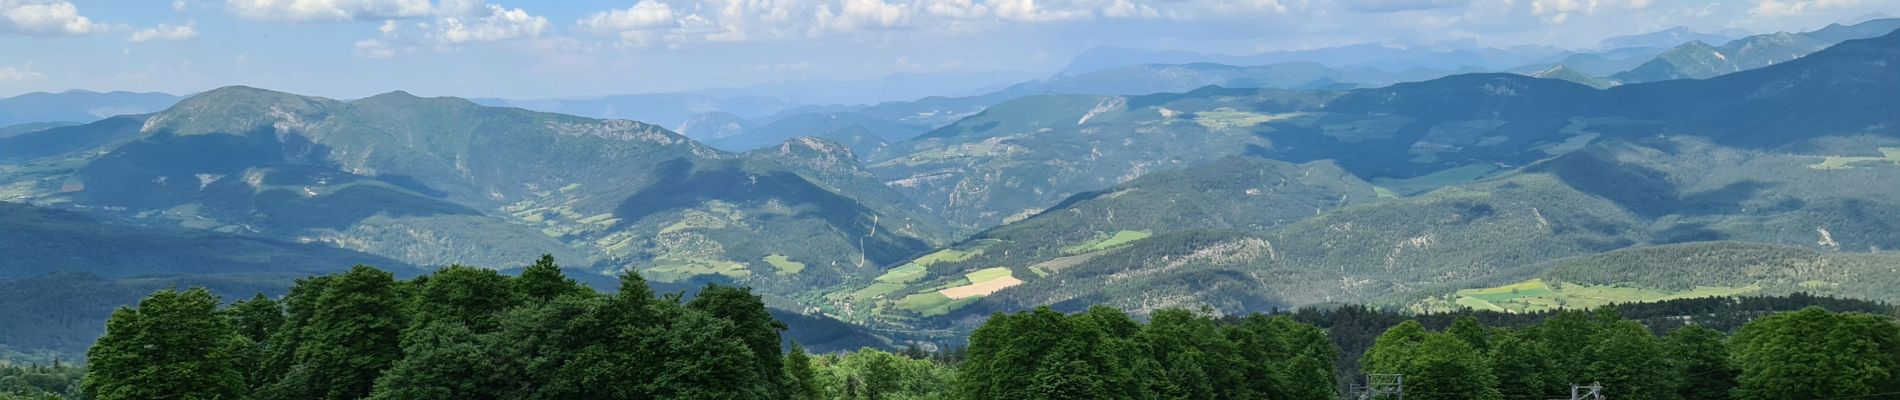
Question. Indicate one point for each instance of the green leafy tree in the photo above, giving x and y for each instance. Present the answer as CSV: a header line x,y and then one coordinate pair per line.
x,y
610,349
1702,367
1814,353
544,281
1039,354
1568,335
350,337
173,345
1630,363
1395,348
1436,366
753,326
1522,364
279,360
441,361
1468,329
702,357
257,318
800,382
1193,359
470,296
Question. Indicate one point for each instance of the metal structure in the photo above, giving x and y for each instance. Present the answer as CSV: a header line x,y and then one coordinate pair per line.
x,y
1382,387
1592,392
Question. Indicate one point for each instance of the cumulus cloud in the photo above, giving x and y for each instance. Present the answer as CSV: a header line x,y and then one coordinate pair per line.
x,y
1788,8
673,24
1384,6
1030,11
18,74
164,32
499,24
43,18
329,10
647,14
854,15
374,49
1559,7
957,9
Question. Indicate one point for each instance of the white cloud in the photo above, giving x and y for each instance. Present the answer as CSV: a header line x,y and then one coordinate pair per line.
x,y
165,32
1382,6
785,67
351,10
1029,11
1790,8
1560,7
500,24
651,22
855,15
328,10
374,49
20,74
648,14
957,9
44,18
1129,9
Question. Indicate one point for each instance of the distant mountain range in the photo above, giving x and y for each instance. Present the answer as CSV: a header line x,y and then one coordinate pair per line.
x,y
1389,57
1670,38
78,106
1407,191
1241,188
434,181
1701,60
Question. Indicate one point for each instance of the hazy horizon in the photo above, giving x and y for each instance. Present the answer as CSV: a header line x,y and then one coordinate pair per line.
x,y
522,50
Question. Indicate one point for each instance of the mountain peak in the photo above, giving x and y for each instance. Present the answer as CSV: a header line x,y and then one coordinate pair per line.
x,y
402,97
238,90
239,110
396,94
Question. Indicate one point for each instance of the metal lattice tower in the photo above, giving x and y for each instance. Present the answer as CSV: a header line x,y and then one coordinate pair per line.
x,y
1592,392
1383,387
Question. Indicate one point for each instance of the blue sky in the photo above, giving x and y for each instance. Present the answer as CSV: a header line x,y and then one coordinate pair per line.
x,y
563,48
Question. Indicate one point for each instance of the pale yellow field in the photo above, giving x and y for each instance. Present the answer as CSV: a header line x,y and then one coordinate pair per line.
x,y
981,288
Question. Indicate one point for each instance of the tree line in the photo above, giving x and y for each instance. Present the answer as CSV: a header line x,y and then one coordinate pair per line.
x,y
459,333
1808,354
471,333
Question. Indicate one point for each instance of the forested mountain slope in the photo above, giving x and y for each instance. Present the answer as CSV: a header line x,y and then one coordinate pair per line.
x,y
435,181
1485,175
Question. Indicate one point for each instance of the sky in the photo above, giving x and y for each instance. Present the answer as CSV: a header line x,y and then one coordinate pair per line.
x,y
572,48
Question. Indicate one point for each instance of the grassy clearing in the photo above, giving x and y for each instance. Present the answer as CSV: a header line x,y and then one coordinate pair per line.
x,y
1476,304
968,150
982,283
876,289
1535,295
784,264
673,270
980,289
920,302
1570,144
932,304
1060,263
1389,187
1120,238
907,273
1357,128
946,255
1227,118
1888,155
987,274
